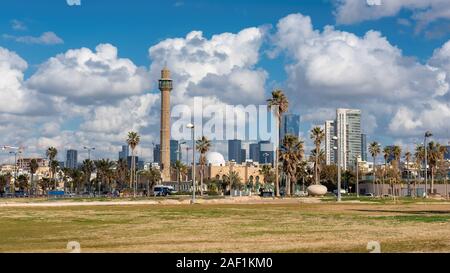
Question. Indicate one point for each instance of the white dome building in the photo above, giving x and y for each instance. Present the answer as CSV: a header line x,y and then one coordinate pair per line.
x,y
215,159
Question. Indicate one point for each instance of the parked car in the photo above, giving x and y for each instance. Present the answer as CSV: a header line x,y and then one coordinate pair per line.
x,y
369,194
162,190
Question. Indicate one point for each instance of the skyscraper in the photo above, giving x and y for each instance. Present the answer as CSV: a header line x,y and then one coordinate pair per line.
x,y
254,152
125,152
165,86
243,156
157,154
266,152
72,159
348,129
330,132
174,151
234,150
290,124
363,147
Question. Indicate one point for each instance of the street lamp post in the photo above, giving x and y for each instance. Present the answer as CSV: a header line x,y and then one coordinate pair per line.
x,y
427,135
357,178
339,198
265,157
15,170
192,127
89,149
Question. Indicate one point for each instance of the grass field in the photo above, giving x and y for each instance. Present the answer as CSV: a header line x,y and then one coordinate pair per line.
x,y
275,227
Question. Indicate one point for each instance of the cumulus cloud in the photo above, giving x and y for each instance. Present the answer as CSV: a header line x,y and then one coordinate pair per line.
x,y
73,2
201,66
132,113
89,77
47,38
15,97
423,12
333,68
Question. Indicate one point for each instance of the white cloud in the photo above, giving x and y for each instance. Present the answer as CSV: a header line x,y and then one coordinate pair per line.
x,y
201,65
132,113
89,77
333,68
73,2
18,25
47,38
15,97
423,12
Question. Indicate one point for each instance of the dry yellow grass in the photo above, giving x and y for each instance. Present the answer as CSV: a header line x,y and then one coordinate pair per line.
x,y
283,227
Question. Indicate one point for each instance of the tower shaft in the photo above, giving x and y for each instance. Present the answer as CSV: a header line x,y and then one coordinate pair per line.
x,y
165,86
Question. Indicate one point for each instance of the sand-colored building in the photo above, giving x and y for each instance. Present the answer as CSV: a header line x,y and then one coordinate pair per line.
x,y
218,168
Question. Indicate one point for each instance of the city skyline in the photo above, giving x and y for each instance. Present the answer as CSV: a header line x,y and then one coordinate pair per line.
x,y
45,102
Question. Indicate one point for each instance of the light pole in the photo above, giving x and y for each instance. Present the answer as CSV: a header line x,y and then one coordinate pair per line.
x,y
192,127
357,176
427,135
15,170
89,149
265,157
335,138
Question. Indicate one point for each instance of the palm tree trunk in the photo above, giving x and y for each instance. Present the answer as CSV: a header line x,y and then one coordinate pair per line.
x,y
288,185
201,180
277,181
432,181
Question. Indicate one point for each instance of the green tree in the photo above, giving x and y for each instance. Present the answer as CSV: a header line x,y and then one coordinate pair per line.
x,y
133,141
104,173
88,167
151,177
290,156
280,103
51,153
34,166
317,135
202,145
374,150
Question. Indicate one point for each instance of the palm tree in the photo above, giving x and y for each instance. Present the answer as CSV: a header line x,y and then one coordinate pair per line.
x,y
152,176
291,155
88,168
234,181
397,153
133,141
408,156
51,153
122,171
419,156
178,166
104,171
3,182
280,103
436,153
374,150
34,166
77,178
54,166
386,154
318,135
202,145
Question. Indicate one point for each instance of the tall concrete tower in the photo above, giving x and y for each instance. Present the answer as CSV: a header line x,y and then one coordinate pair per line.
x,y
165,85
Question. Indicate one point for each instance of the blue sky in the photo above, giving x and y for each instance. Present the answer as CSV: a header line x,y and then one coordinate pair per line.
x,y
135,26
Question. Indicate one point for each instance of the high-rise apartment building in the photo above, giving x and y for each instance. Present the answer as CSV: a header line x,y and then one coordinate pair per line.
x,y
234,150
157,154
348,131
330,132
72,159
290,124
266,152
125,152
254,152
363,147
